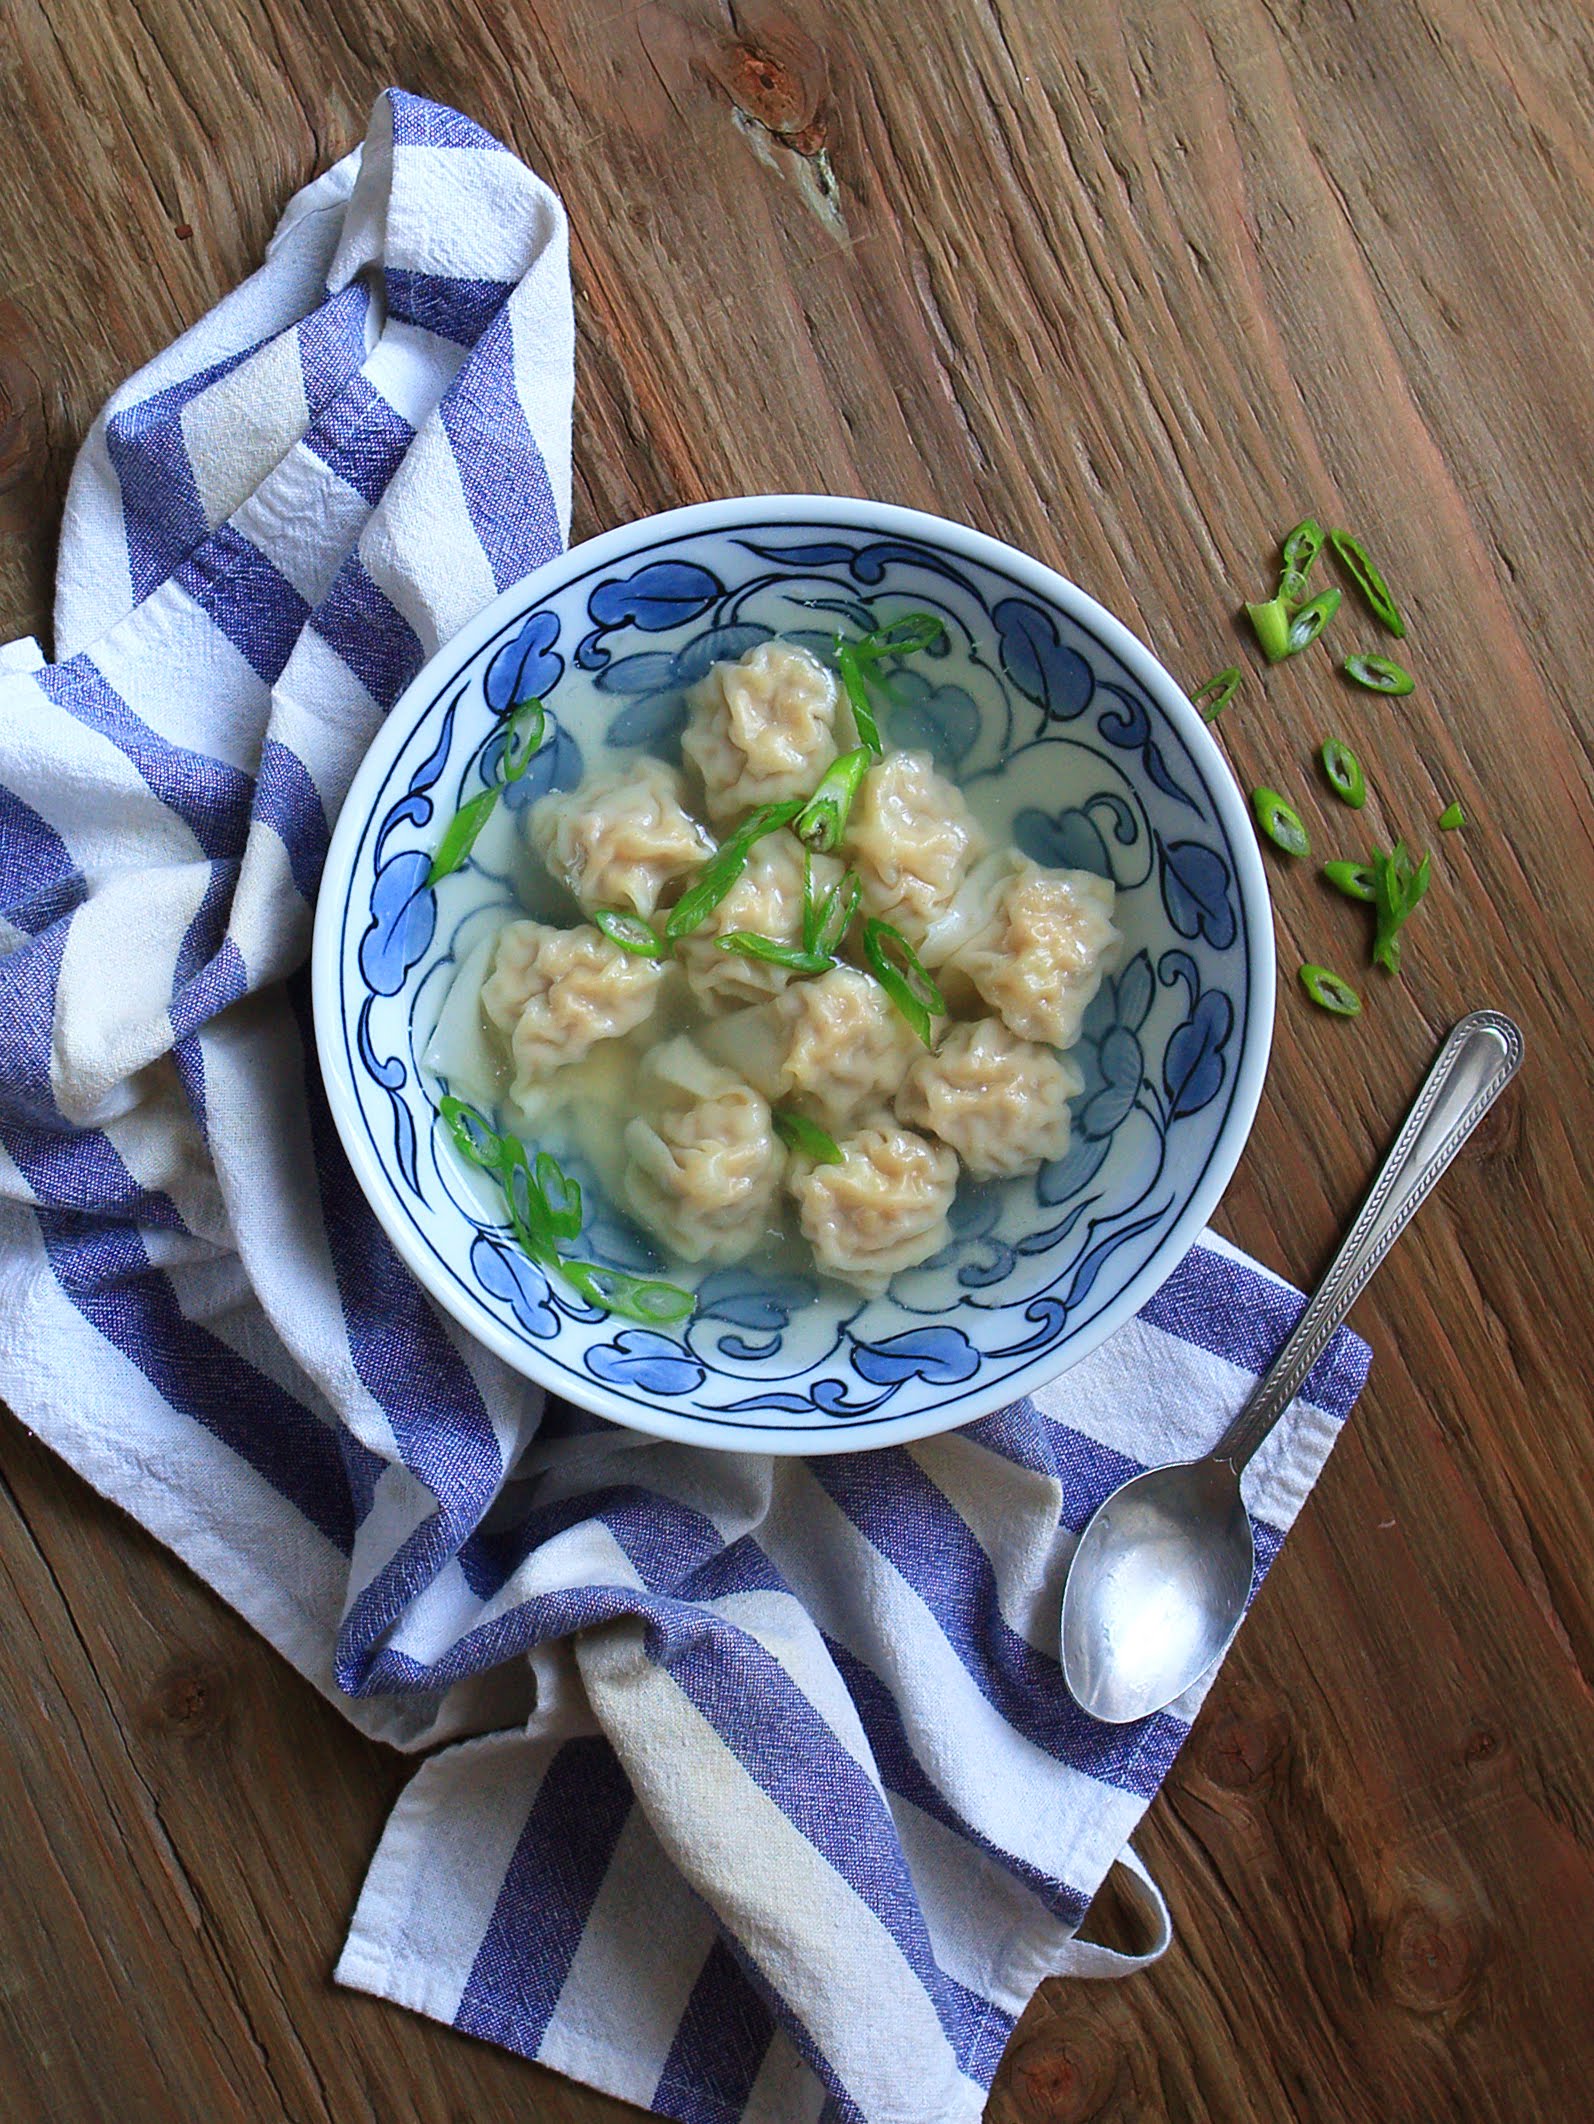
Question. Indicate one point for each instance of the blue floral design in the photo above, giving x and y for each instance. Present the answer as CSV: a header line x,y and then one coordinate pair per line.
x,y
654,683
403,916
525,668
1039,662
1193,1068
1196,892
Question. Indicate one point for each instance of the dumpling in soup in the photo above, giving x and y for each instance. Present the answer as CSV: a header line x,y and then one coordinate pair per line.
x,y
999,1101
702,1162
1032,943
837,1044
911,839
768,899
883,1208
622,838
761,730
554,993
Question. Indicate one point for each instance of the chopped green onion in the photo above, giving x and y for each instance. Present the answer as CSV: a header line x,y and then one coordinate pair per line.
x,y
1308,620
903,637
630,932
464,828
1352,555
1451,817
1293,589
1281,822
1272,624
750,945
473,1135
561,1196
857,692
908,985
1354,880
1379,674
1397,888
1330,993
528,726
1344,773
722,870
529,1215
835,916
823,819
1302,546
641,1298
1216,694
806,1137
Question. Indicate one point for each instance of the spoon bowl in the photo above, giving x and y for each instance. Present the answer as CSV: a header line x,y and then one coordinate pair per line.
x,y
1156,1588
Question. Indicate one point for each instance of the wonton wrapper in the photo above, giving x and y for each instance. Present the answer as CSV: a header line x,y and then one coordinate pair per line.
x,y
911,839
1000,1102
883,1208
1033,943
836,1044
768,899
622,837
554,993
761,730
703,1163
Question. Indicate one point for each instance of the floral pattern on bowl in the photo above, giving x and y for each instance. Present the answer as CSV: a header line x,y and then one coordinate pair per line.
x,y
1070,741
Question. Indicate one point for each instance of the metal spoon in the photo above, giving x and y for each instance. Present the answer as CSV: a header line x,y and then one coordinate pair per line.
x,y
1159,1581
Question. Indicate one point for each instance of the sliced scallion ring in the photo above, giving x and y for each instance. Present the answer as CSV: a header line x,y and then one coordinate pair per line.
x,y
895,965
1344,773
463,831
1272,624
903,637
471,1133
823,819
528,726
1330,993
1451,817
835,916
1216,694
806,1137
1378,674
1302,546
1308,621
1281,822
748,944
641,1298
1354,880
1353,558
630,932
856,688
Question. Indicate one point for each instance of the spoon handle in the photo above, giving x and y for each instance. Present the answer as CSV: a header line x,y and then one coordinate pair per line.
x,y
1471,1070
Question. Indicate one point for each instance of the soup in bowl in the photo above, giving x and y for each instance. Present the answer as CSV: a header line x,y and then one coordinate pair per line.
x,y
793,974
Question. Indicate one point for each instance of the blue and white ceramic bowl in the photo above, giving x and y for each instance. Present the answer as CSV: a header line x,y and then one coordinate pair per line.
x,y
1066,735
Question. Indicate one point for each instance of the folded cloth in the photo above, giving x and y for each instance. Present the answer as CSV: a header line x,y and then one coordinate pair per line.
x,y
767,1799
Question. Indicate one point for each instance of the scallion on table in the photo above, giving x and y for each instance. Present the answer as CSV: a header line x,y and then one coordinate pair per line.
x,y
1353,557
1344,772
1213,697
1329,992
1378,674
1281,822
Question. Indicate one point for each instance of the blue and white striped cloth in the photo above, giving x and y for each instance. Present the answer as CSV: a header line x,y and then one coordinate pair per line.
x,y
768,1801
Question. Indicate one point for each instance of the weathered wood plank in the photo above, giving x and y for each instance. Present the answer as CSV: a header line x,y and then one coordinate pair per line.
x,y
1131,284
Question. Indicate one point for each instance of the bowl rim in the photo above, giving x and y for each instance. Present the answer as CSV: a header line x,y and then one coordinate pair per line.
x,y
892,520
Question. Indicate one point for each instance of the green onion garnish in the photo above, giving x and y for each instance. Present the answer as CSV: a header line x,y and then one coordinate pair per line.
x,y
823,819
1354,880
748,944
630,932
1281,822
1397,888
1330,993
835,916
857,692
641,1298
722,870
464,828
1272,624
1308,620
1451,817
908,985
1379,674
1352,555
806,1137
903,637
1216,694
1344,773
1301,548
527,727
544,1206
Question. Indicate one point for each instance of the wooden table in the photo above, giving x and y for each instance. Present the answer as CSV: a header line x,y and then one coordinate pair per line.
x,y
1133,285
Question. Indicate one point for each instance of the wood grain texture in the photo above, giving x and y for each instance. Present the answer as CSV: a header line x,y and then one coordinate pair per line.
x,y
1132,285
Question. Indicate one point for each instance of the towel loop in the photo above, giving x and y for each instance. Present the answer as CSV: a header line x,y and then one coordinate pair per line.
x,y
1083,1958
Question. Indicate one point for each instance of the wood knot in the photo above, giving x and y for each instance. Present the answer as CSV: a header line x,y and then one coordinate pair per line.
x,y
1483,1745
1433,1951
779,84
1238,1747
1062,2074
191,1698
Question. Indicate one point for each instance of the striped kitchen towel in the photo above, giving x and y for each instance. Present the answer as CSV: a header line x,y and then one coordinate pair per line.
x,y
766,1800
